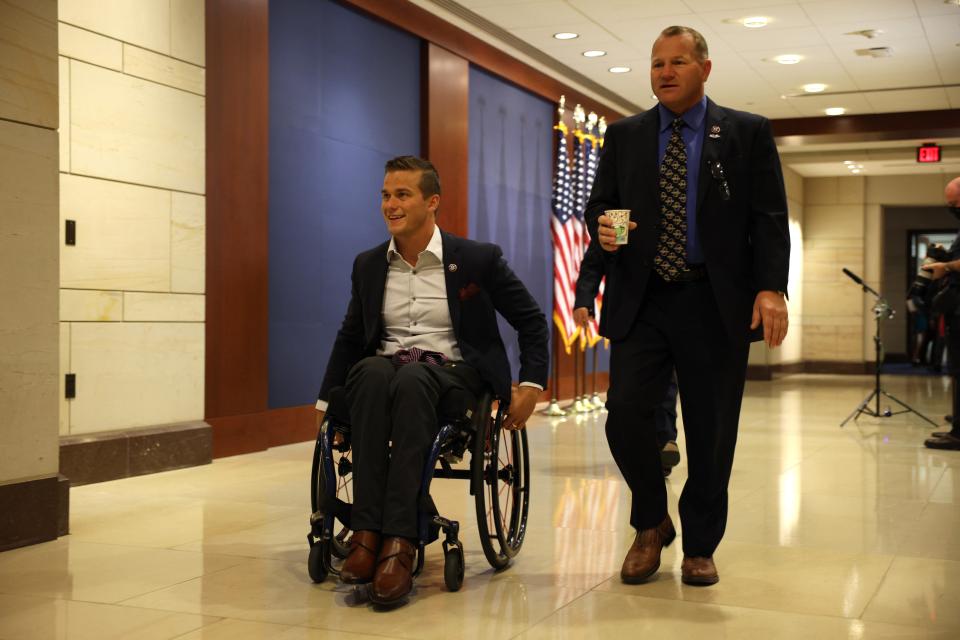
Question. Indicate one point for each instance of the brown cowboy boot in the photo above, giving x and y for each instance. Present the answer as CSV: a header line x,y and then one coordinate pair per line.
x,y
362,558
643,558
699,572
393,579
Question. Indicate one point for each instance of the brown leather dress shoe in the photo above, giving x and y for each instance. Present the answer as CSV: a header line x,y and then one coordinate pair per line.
x,y
948,442
643,558
362,558
393,579
699,572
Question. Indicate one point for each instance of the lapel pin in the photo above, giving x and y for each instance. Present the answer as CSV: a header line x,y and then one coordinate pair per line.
x,y
715,131
452,267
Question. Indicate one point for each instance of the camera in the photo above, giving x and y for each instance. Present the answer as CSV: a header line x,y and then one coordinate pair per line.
x,y
918,290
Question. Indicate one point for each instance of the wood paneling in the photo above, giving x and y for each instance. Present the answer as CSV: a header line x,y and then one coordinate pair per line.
x,y
234,435
238,59
445,130
876,126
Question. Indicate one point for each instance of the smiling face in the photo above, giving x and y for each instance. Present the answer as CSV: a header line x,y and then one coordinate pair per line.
x,y
677,75
409,216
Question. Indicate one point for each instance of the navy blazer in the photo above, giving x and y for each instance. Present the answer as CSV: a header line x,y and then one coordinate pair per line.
x,y
742,225
479,284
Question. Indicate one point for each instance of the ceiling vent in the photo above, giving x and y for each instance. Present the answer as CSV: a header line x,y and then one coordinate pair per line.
x,y
866,33
875,52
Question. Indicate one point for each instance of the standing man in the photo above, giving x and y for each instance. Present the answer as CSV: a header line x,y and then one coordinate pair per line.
x,y
422,320
950,439
703,274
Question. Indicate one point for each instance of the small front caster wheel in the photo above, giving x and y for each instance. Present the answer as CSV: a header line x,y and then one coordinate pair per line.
x,y
315,565
453,568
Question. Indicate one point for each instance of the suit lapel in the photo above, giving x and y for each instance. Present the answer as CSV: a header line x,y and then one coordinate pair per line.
x,y
451,272
649,162
714,125
375,282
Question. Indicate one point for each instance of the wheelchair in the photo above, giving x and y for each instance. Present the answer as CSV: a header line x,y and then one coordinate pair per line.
x,y
498,474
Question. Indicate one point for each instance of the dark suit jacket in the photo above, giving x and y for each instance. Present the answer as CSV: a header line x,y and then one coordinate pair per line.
x,y
592,270
478,286
745,238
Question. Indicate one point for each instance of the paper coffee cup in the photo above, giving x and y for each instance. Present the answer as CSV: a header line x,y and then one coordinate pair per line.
x,y
620,221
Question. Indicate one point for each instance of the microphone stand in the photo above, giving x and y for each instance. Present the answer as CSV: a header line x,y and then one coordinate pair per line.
x,y
881,310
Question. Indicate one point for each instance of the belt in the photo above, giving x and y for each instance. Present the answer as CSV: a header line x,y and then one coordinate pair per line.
x,y
693,274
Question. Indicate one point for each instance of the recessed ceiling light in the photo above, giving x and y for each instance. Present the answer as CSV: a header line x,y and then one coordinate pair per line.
x,y
834,111
755,22
619,69
566,35
594,53
848,162
855,171
814,87
788,58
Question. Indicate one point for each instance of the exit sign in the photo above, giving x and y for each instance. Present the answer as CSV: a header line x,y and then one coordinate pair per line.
x,y
929,152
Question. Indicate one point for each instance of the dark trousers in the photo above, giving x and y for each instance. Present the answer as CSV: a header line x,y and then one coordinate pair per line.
x,y
678,326
393,415
665,415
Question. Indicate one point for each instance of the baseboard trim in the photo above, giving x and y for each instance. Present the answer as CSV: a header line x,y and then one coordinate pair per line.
x,y
247,433
30,512
111,455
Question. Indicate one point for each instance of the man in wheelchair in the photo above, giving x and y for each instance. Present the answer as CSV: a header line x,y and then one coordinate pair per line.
x,y
421,322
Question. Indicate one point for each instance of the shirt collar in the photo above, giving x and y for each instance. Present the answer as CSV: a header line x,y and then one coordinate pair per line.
x,y
693,117
435,246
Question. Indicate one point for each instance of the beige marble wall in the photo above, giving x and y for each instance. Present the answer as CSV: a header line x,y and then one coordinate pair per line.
x,y
29,336
132,85
833,232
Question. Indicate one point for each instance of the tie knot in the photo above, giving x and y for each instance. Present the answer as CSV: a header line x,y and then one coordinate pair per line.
x,y
677,124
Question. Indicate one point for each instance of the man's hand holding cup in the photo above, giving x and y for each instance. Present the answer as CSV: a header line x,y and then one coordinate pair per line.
x,y
614,225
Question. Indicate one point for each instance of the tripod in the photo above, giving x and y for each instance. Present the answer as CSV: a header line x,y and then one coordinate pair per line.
x,y
881,310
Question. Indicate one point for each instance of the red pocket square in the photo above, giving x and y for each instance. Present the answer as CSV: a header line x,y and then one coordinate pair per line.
x,y
468,291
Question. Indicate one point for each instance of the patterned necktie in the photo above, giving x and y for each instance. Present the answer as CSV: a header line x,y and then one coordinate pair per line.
x,y
406,356
671,255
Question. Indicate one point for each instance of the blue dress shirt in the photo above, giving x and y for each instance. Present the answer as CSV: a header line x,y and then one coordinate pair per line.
x,y
692,134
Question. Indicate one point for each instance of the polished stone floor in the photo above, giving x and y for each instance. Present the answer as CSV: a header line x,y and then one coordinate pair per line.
x,y
833,533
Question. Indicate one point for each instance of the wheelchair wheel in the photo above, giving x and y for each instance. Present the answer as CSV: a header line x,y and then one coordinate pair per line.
x,y
343,471
453,568
315,565
501,466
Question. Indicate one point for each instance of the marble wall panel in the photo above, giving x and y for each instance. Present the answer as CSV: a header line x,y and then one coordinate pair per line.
x,y
924,189
820,191
132,374
90,47
188,243
187,31
29,333
163,307
123,236
79,305
832,299
28,61
794,184
132,130
143,22
64,369
835,221
163,69
64,116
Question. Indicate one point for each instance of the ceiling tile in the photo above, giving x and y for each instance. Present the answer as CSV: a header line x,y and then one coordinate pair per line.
x,y
646,31
815,105
704,6
618,11
948,63
532,14
761,39
823,12
915,100
837,32
953,94
783,16
936,8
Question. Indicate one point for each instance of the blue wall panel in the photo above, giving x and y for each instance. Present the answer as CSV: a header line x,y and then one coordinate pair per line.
x,y
344,98
511,165
510,174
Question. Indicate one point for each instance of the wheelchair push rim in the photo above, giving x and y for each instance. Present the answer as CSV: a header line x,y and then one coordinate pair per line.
x,y
502,469
340,464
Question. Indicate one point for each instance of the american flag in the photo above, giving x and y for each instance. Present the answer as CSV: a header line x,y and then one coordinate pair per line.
x,y
591,144
567,231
